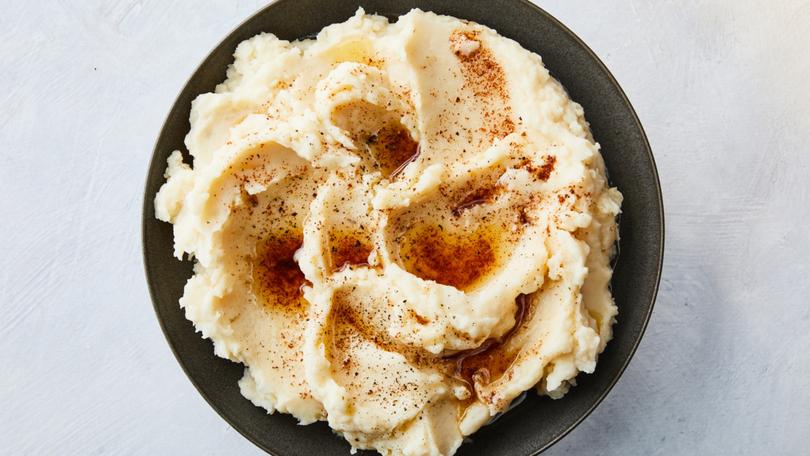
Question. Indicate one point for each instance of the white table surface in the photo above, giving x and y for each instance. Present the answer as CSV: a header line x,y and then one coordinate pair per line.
x,y
722,88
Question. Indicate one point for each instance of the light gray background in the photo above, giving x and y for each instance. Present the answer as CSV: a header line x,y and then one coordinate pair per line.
x,y
722,87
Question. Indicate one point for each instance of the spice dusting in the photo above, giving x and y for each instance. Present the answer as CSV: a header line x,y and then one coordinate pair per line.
x,y
485,78
542,172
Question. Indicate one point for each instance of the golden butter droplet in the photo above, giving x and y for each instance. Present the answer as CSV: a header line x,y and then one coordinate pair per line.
x,y
277,279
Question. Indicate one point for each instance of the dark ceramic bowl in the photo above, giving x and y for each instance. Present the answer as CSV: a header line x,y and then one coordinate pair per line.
x,y
536,423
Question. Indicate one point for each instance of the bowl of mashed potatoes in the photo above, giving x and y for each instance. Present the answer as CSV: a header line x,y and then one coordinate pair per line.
x,y
395,228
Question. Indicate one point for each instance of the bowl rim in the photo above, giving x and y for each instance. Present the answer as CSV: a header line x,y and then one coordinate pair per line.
x,y
149,200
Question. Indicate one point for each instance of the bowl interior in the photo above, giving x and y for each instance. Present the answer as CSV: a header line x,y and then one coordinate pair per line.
x,y
537,422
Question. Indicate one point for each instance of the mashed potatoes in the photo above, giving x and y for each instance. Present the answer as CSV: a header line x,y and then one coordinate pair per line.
x,y
397,228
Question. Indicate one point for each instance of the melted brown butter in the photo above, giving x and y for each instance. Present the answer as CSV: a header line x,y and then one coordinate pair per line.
x,y
277,279
349,249
492,359
359,51
392,148
459,259
478,196
388,143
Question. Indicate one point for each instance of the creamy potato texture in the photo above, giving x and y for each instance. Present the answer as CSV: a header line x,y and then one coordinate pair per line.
x,y
397,228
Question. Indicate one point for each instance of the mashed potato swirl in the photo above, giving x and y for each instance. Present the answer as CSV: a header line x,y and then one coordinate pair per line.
x,y
397,228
